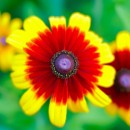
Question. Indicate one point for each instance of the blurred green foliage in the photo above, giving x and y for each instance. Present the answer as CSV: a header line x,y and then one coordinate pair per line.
x,y
108,18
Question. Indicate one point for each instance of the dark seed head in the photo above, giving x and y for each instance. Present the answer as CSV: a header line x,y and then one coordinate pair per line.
x,y
122,80
64,64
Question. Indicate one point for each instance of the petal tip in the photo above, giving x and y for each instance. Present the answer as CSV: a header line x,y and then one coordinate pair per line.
x,y
57,113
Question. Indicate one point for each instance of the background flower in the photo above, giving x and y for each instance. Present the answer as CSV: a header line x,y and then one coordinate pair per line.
x,y
120,91
7,51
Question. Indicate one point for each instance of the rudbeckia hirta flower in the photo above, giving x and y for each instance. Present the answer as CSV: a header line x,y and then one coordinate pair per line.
x,y
7,51
63,63
120,90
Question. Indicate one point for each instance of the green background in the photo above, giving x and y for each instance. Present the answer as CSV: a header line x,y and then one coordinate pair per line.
x,y
108,18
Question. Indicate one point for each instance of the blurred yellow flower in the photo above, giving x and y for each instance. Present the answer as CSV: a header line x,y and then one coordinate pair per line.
x,y
64,63
7,51
120,91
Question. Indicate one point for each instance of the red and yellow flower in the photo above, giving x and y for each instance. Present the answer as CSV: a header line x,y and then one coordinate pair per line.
x,y
63,63
7,51
120,90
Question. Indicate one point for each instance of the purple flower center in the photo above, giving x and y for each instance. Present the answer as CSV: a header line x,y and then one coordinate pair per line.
x,y
123,80
3,41
64,64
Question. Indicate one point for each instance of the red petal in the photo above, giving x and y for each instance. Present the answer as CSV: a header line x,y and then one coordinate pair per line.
x,y
61,91
76,90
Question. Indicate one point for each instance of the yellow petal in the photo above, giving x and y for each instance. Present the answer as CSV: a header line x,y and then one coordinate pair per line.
x,y
78,106
105,53
19,61
5,19
123,40
98,98
19,76
6,56
57,21
30,103
125,115
57,113
112,109
19,79
15,24
19,39
93,38
107,77
34,25
113,47
80,21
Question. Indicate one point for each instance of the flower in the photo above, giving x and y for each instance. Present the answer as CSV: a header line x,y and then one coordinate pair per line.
x,y
63,63
120,90
7,51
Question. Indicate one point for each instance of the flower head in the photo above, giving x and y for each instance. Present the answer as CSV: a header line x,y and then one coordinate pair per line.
x,y
63,63
120,91
7,51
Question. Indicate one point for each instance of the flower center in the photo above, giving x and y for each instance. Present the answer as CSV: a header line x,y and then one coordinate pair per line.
x,y
123,80
2,40
64,64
